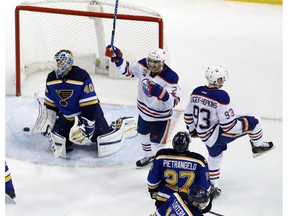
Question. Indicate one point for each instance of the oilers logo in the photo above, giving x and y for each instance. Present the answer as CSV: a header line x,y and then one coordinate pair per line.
x,y
145,87
64,95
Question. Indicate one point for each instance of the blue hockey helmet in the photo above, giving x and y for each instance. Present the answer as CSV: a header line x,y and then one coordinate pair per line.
x,y
181,141
198,197
64,61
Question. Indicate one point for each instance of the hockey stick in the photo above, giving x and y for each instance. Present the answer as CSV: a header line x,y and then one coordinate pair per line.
x,y
37,98
214,213
114,23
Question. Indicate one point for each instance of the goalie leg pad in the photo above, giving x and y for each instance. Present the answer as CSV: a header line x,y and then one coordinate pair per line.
x,y
127,125
57,144
110,143
46,117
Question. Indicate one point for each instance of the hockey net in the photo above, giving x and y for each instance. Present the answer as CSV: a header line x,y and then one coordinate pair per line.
x,y
44,27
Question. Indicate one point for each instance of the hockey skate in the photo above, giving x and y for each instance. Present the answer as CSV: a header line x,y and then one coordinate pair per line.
x,y
259,150
10,197
215,192
144,161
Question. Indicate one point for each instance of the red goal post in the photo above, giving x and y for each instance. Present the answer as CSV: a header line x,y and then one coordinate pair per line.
x,y
42,28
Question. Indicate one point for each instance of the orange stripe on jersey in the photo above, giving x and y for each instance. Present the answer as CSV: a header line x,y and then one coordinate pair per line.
x,y
214,174
188,119
228,127
203,137
231,134
255,136
146,110
164,139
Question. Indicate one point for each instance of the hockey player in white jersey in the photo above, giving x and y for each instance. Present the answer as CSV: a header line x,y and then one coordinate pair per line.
x,y
210,115
158,94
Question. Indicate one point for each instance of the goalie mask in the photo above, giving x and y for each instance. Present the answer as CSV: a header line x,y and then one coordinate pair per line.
x,y
155,60
216,75
181,142
198,197
64,60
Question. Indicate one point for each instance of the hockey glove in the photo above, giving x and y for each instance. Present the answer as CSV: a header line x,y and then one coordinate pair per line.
x,y
193,133
158,91
115,54
208,207
249,123
82,130
153,195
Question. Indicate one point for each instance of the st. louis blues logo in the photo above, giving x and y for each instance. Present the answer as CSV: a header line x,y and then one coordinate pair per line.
x,y
64,95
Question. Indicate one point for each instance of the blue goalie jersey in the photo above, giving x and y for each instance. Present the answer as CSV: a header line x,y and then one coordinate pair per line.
x,y
172,172
72,95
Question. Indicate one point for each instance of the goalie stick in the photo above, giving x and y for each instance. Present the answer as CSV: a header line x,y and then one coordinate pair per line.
x,y
214,213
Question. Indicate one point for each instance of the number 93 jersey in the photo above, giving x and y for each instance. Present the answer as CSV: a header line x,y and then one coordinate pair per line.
x,y
209,109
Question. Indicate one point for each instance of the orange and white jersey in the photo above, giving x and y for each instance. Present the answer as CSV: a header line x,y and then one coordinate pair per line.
x,y
209,109
151,108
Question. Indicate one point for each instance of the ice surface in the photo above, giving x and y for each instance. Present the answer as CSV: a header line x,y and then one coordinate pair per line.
x,y
245,38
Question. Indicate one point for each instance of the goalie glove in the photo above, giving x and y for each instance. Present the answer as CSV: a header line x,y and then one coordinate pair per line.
x,y
115,54
82,130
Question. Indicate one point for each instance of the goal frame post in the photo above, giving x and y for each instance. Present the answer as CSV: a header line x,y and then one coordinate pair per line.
x,y
20,8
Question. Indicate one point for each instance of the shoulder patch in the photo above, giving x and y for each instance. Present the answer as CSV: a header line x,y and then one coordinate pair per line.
x,y
169,75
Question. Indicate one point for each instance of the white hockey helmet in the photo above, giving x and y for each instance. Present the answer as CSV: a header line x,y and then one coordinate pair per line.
x,y
64,60
213,74
155,60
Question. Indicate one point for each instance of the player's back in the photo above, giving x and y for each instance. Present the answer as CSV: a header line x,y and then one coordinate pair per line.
x,y
179,172
177,205
209,107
